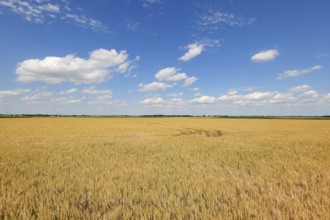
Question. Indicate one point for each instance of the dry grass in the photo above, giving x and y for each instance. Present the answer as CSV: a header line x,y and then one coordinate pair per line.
x,y
156,168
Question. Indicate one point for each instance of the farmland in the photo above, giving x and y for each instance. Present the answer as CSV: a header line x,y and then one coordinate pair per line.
x,y
173,168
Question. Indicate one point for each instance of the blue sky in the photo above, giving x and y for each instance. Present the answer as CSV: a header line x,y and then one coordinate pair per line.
x,y
138,57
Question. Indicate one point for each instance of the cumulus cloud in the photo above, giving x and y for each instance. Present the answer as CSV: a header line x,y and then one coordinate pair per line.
x,y
190,80
53,70
41,96
160,102
65,100
258,97
327,97
153,101
175,94
301,88
69,91
265,56
170,74
193,51
295,73
106,100
301,95
294,96
13,92
48,11
93,91
203,100
154,86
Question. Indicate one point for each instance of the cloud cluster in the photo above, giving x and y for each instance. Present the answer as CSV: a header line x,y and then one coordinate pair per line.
x,y
40,96
90,96
170,74
16,92
157,101
265,56
53,70
69,91
302,95
295,73
94,91
38,11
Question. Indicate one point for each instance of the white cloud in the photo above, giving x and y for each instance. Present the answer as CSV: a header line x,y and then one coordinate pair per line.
x,y
232,92
157,101
69,91
45,12
53,70
65,100
175,94
203,100
153,101
295,73
41,96
194,89
170,74
213,19
301,88
153,86
93,91
13,92
233,97
176,102
189,81
282,98
86,22
265,56
257,96
49,8
292,97
106,100
327,97
123,67
128,66
193,51
167,74
310,93
30,11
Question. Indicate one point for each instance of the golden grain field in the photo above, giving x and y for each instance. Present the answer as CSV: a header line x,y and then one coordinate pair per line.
x,y
164,168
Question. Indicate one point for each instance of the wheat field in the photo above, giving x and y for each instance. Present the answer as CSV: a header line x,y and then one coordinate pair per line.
x,y
164,168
